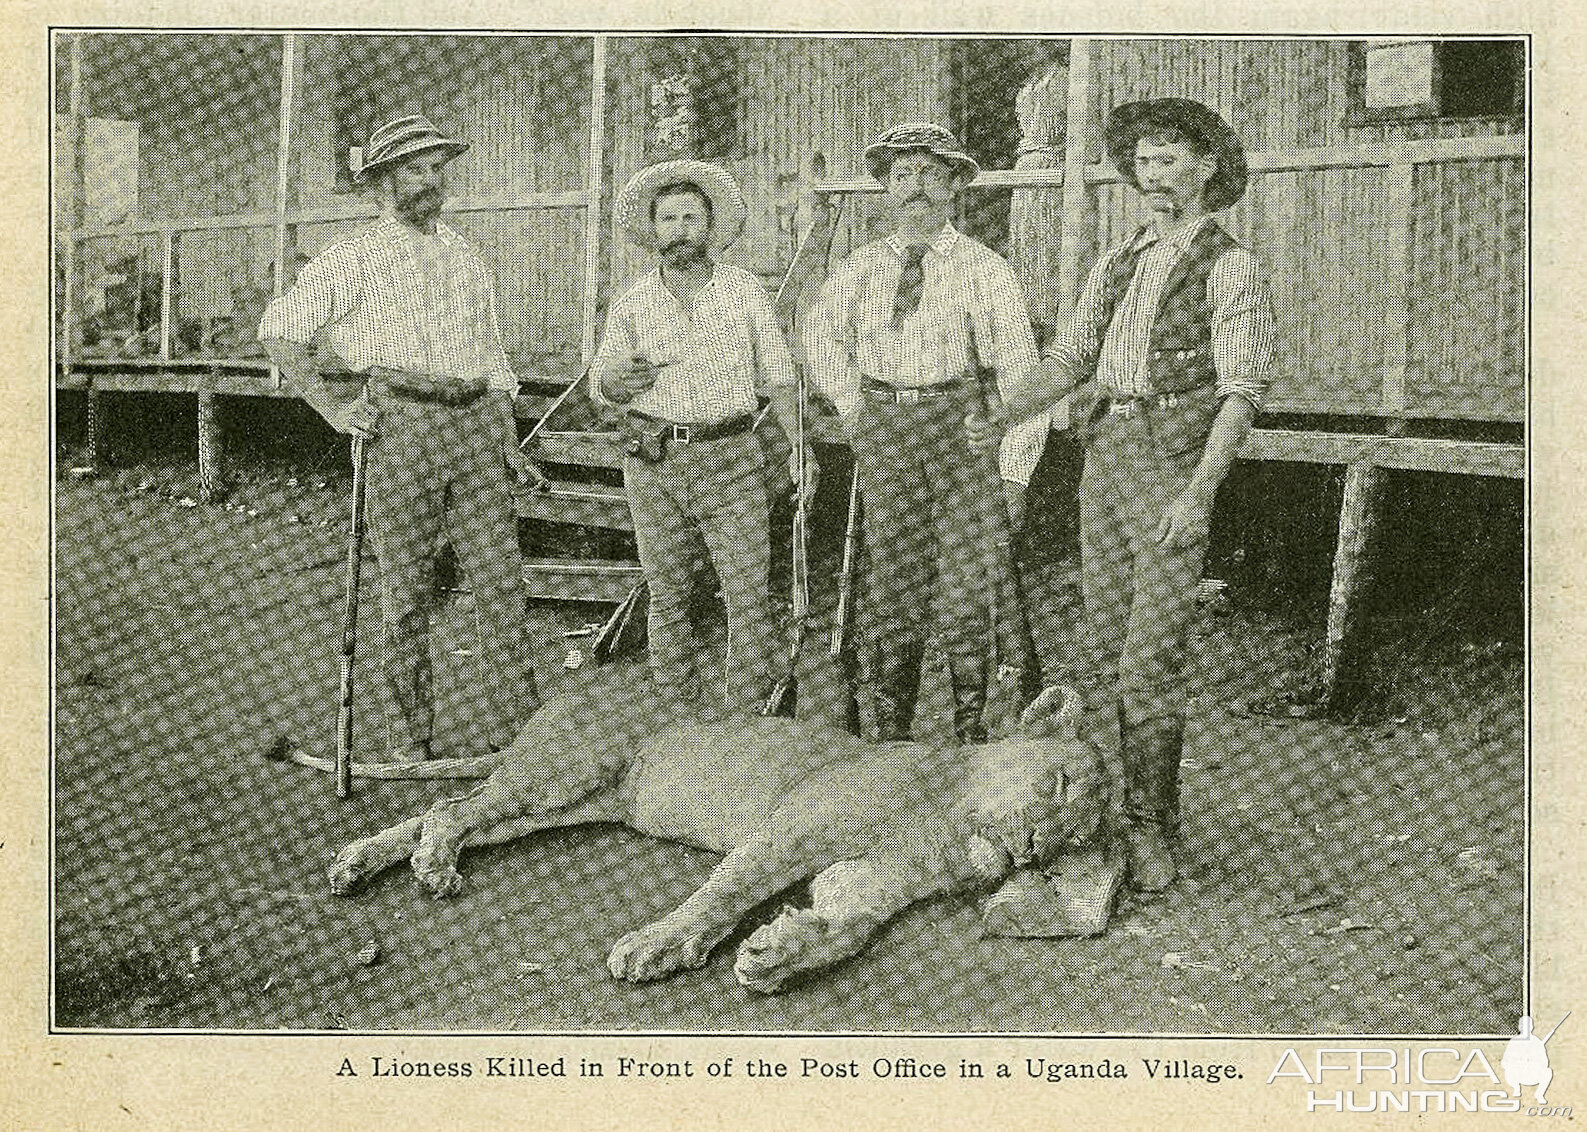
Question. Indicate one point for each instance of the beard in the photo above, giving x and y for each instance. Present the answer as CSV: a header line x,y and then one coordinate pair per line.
x,y
420,208
683,253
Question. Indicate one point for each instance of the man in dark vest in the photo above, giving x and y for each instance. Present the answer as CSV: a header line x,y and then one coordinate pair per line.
x,y
1167,358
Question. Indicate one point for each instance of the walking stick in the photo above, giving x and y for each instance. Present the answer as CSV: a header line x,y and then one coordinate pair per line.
x,y
355,550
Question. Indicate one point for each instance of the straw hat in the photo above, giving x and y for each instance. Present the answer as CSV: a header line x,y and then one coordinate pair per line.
x,y
1129,122
401,139
632,208
918,135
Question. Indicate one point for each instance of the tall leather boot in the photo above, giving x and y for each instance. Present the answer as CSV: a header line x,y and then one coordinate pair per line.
x,y
897,685
1150,751
969,700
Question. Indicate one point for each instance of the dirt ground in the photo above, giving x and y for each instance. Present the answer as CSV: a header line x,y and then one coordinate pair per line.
x,y
1350,876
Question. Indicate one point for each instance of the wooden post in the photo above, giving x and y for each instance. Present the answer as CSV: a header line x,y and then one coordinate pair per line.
x,y
211,450
594,186
291,62
94,422
71,224
1082,139
1358,520
167,288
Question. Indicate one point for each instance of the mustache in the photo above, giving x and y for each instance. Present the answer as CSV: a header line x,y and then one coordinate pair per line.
x,y
680,243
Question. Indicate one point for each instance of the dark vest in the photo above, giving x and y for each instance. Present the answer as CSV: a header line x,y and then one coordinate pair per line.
x,y
1179,355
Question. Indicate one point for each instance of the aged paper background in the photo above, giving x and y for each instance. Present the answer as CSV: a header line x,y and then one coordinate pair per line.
x,y
147,1081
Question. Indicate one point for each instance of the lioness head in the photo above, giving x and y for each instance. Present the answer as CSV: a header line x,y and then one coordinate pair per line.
x,y
1030,796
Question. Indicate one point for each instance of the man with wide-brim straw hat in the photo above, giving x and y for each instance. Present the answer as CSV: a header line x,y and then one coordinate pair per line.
x,y
403,138
405,310
689,351
1171,347
902,341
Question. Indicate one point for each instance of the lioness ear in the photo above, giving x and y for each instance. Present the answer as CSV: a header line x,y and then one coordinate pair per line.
x,y
1049,703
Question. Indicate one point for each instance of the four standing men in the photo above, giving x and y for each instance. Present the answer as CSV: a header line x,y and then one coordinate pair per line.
x,y
410,308
1165,360
1171,345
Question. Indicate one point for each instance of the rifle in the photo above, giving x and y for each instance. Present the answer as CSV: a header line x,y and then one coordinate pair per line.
x,y
851,545
355,550
542,483
1013,649
784,698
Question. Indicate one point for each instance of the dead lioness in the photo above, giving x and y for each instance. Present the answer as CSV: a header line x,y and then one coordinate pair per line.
x,y
878,827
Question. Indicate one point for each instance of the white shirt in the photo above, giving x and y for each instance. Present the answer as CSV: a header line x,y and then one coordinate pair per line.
x,y
720,351
392,296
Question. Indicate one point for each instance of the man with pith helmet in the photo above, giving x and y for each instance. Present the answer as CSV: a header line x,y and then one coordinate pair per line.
x,y
909,332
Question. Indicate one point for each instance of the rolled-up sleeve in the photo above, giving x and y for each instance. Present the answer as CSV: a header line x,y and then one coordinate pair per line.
x,y
498,370
326,290
1006,342
617,342
1243,326
1071,356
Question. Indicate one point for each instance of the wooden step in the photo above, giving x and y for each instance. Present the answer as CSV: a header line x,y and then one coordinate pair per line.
x,y
586,505
589,449
580,579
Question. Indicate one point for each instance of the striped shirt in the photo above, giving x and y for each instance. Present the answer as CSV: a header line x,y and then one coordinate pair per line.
x,y
1242,319
392,296
971,314
720,351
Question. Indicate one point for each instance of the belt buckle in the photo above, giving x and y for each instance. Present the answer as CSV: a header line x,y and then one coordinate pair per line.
x,y
907,396
1167,400
680,433
1124,409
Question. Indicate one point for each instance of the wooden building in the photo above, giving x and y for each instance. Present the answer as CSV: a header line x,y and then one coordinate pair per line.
x,y
1388,197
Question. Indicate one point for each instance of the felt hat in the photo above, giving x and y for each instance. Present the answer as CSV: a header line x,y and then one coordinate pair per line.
x,y
1128,123
632,208
918,135
401,139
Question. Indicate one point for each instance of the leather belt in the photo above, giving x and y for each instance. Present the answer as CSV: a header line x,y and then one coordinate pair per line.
x,y
905,394
696,433
423,389
1129,406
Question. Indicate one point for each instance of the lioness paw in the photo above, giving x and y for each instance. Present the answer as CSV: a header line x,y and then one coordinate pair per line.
x,y
797,940
656,951
353,865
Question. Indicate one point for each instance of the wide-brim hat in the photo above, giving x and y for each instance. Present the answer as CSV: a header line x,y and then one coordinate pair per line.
x,y
401,139
927,136
632,209
1128,123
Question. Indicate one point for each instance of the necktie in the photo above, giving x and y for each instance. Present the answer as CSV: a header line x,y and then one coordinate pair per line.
x,y
910,281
